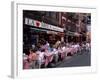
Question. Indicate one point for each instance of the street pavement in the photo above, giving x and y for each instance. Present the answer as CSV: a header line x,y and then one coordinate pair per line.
x,y
77,60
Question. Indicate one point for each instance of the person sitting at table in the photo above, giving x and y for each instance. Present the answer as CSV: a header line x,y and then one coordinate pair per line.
x,y
32,58
57,44
55,54
41,57
88,47
60,51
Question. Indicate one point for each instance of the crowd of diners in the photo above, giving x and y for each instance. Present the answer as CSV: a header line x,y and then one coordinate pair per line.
x,y
42,55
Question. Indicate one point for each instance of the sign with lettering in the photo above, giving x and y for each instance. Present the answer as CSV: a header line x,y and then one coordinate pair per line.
x,y
29,21
36,23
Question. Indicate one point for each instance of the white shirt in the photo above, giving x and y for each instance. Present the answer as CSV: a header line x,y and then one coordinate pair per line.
x,y
40,55
55,51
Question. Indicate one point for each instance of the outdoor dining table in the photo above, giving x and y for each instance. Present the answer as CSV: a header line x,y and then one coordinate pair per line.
x,y
70,50
62,53
48,58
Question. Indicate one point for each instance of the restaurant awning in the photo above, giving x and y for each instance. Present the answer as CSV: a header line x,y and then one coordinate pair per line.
x,y
69,33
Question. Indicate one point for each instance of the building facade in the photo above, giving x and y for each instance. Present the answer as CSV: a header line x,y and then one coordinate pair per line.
x,y
41,26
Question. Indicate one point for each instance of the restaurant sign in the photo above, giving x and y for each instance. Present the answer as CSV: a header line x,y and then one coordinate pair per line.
x,y
36,23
